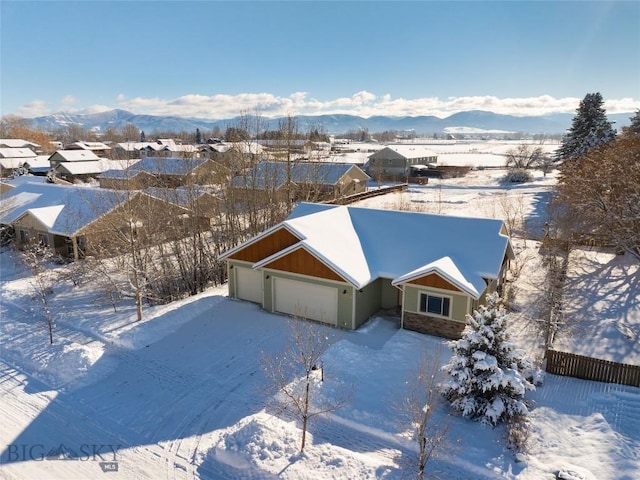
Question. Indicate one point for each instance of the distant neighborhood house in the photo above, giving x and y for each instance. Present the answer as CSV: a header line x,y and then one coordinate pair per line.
x,y
397,160
340,265
305,180
160,172
75,221
13,158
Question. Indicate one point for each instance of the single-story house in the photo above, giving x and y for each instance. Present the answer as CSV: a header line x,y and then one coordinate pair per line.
x,y
160,172
12,158
75,221
64,156
200,201
397,160
18,143
39,165
340,265
99,148
310,180
86,170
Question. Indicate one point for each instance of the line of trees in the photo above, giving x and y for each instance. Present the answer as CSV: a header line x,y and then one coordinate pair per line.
x,y
598,195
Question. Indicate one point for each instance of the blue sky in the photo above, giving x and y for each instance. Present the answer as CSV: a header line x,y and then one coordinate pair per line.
x,y
217,59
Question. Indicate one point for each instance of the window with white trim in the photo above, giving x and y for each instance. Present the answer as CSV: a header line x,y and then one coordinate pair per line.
x,y
435,304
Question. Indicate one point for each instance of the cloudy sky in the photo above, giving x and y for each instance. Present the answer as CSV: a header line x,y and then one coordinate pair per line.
x,y
215,60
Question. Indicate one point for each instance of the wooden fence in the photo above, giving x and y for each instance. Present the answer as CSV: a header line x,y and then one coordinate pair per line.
x,y
368,194
587,368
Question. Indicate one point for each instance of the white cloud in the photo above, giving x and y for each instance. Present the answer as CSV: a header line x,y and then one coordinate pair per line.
x,y
36,108
68,100
94,109
363,103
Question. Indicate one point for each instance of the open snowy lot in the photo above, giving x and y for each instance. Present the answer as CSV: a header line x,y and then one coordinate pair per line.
x,y
181,394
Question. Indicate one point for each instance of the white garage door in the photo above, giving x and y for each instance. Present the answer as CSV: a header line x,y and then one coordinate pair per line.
x,y
249,284
315,302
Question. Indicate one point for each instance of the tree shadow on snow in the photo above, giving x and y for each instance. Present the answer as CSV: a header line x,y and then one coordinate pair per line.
x,y
187,384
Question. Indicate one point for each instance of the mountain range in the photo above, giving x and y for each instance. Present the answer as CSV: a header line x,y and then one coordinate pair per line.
x,y
477,120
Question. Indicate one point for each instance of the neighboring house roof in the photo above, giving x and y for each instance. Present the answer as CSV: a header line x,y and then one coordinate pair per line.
x,y
11,163
156,166
39,163
16,143
73,156
61,209
363,244
406,150
182,196
87,146
266,175
16,153
83,168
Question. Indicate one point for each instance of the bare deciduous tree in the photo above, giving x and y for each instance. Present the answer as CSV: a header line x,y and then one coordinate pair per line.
x,y
416,409
36,257
524,156
297,375
601,195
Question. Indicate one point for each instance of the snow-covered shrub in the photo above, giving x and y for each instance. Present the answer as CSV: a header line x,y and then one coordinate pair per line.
x,y
486,374
518,175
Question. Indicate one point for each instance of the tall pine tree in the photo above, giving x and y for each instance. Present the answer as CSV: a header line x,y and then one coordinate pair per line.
x,y
589,128
487,373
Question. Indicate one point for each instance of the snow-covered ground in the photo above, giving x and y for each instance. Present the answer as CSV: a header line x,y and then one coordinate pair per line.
x,y
602,301
181,394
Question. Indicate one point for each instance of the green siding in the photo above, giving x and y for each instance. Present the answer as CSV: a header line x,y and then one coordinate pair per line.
x,y
389,294
459,302
231,273
367,302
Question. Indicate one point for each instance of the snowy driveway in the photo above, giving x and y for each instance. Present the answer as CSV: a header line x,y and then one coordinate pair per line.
x,y
161,398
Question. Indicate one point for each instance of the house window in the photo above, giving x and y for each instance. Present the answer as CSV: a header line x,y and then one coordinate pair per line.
x,y
43,238
435,304
24,236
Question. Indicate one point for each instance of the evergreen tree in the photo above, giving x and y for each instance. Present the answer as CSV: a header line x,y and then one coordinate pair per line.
x,y
634,128
198,136
487,373
143,137
589,128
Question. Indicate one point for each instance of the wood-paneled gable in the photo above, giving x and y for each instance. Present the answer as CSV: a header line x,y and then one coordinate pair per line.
x,y
436,281
302,262
272,243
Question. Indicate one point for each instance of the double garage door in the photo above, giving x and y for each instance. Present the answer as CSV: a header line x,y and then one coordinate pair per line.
x,y
307,300
293,297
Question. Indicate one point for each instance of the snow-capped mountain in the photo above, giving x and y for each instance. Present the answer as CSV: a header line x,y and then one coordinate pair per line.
x,y
339,123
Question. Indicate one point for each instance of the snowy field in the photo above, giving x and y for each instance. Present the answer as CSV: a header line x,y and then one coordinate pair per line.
x,y
469,153
181,394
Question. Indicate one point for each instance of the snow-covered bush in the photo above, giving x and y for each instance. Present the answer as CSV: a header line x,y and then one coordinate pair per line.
x,y
487,374
518,175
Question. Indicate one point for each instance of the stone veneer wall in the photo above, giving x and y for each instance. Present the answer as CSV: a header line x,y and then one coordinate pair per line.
x,y
433,325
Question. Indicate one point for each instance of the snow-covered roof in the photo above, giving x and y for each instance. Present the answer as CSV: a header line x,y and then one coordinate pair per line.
x,y
73,156
156,166
363,244
16,143
274,174
16,153
182,196
62,209
87,146
40,161
410,151
11,163
83,168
